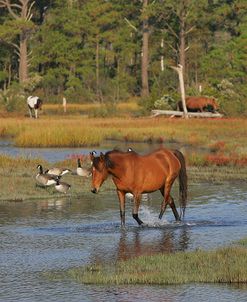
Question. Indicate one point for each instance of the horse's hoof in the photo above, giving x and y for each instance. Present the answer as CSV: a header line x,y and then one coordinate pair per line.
x,y
144,225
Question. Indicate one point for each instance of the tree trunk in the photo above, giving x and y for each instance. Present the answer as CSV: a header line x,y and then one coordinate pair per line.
x,y
162,67
23,66
179,70
145,36
70,3
182,39
9,74
97,69
21,12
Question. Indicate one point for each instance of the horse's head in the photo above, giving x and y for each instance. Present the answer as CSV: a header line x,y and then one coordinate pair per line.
x,y
40,103
99,171
213,103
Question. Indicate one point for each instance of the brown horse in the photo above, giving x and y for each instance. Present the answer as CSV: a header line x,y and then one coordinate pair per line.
x,y
199,103
137,174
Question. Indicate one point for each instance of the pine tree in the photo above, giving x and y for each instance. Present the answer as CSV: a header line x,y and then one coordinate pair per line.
x,y
21,26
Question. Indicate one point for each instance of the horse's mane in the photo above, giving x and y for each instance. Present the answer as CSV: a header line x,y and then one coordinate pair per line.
x,y
108,161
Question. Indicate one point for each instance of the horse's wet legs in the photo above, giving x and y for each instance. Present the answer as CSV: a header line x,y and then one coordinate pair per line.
x,y
165,191
162,211
173,207
174,210
121,197
137,201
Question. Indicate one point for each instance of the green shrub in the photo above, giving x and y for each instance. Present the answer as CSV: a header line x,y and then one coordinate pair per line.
x,y
13,99
105,110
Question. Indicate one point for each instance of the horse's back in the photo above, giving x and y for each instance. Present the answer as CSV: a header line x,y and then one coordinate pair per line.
x,y
199,102
34,101
159,164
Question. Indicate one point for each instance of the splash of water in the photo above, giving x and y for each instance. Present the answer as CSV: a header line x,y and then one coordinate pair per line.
x,y
150,217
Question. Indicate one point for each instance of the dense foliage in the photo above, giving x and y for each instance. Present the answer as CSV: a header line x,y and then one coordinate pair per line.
x,y
91,50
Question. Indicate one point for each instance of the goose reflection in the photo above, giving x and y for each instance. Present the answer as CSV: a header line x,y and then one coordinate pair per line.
x,y
52,204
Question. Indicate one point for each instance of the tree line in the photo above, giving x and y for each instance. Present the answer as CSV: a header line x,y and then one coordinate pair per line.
x,y
110,50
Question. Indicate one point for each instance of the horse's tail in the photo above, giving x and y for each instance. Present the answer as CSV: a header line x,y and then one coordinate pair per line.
x,y
183,189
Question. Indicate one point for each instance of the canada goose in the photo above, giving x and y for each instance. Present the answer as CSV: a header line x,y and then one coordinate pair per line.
x,y
62,187
45,179
82,171
57,171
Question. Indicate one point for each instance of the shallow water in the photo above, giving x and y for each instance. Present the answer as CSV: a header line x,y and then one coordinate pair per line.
x,y
58,154
48,235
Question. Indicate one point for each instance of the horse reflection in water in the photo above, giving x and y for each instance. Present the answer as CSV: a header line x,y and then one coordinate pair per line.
x,y
138,174
168,242
143,242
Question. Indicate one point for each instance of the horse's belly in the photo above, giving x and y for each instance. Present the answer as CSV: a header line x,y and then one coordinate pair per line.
x,y
150,183
151,186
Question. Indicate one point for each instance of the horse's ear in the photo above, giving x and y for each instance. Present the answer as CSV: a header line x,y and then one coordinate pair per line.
x,y
102,156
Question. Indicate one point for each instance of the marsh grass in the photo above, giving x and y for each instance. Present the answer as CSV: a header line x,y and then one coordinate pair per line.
x,y
223,141
80,131
225,265
90,109
242,242
193,132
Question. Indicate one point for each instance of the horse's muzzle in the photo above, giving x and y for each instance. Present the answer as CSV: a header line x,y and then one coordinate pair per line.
x,y
94,190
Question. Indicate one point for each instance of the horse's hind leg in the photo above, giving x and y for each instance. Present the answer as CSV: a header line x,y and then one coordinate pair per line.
x,y
137,201
164,203
165,191
121,197
174,210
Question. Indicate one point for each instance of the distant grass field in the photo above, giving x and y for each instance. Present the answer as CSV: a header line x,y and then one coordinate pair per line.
x,y
224,140
126,107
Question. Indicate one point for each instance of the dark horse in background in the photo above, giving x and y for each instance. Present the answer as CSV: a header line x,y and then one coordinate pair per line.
x,y
34,103
199,103
137,174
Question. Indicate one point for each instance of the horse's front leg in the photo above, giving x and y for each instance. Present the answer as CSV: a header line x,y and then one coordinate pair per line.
x,y
30,112
36,113
121,197
137,201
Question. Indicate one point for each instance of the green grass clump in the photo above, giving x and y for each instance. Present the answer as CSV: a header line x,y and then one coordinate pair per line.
x,y
225,265
242,242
